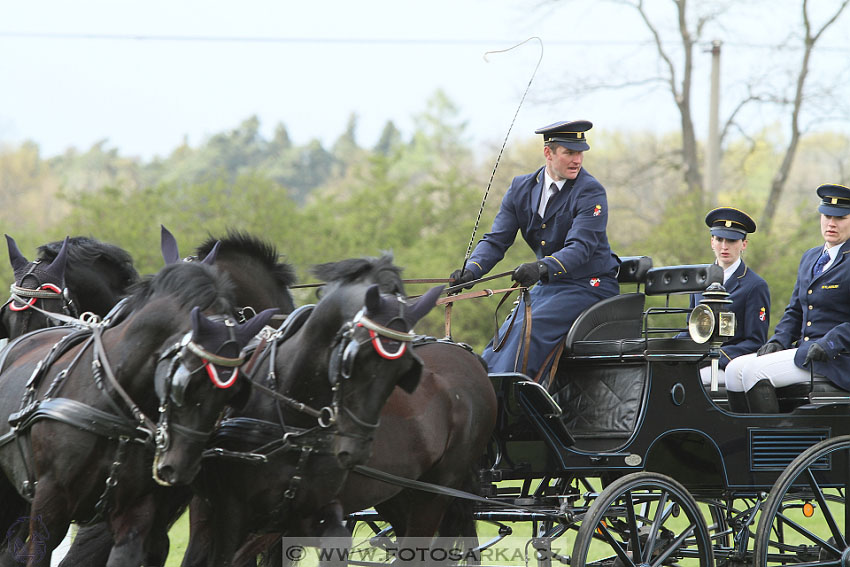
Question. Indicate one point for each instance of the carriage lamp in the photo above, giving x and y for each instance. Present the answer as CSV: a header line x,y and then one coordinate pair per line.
x,y
711,322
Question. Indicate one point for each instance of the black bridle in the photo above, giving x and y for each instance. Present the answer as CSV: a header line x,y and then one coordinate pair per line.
x,y
171,388
25,298
340,369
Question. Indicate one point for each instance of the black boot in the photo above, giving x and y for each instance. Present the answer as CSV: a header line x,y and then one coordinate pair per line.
x,y
762,398
737,402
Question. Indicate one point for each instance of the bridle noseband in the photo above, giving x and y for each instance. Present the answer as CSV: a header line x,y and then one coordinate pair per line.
x,y
171,390
22,298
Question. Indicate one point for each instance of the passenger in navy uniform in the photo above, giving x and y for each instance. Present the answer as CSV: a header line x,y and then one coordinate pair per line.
x,y
748,291
815,328
574,266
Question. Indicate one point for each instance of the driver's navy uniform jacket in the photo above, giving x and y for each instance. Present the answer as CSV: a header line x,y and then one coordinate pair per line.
x,y
750,297
571,241
819,310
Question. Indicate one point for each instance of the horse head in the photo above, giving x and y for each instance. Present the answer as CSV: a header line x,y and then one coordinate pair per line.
x,y
38,291
194,379
373,356
261,280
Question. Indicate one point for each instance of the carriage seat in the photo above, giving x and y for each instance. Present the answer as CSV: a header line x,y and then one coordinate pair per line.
x,y
597,386
615,325
609,321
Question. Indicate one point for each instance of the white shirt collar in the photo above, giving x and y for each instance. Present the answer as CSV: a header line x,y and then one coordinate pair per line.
x,y
727,273
548,181
833,253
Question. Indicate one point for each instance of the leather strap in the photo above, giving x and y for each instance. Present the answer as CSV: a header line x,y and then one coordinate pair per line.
x,y
556,355
498,343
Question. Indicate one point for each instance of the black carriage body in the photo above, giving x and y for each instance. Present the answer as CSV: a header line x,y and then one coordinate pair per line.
x,y
625,401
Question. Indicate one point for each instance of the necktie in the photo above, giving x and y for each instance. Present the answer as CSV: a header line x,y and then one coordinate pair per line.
x,y
551,192
824,258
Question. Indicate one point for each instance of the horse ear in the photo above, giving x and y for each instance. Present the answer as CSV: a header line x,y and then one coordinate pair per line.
x,y
15,257
410,379
56,268
210,258
168,246
373,299
423,304
199,322
249,329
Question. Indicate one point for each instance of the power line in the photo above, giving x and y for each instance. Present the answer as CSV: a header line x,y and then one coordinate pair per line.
x,y
353,40
363,41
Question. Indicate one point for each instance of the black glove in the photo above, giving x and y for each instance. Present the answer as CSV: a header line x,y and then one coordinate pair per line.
x,y
528,274
459,277
815,353
769,347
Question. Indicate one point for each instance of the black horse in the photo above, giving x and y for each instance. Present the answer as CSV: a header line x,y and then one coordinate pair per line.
x,y
436,434
261,282
68,277
81,444
324,380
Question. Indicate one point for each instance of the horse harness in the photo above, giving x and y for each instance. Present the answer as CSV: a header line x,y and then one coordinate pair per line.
x,y
22,298
114,425
316,440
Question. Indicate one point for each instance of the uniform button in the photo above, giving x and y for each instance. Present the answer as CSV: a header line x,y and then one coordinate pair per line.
x,y
810,307
544,225
808,323
805,338
542,243
810,292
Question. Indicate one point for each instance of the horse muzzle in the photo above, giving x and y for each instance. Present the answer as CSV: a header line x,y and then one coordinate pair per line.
x,y
351,451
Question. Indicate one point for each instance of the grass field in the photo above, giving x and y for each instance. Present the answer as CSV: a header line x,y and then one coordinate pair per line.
x,y
514,549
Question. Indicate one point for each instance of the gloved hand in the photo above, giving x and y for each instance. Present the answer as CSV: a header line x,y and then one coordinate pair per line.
x,y
459,277
529,273
815,353
769,347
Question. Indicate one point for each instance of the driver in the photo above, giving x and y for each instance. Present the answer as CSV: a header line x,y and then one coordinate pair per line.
x,y
562,212
814,331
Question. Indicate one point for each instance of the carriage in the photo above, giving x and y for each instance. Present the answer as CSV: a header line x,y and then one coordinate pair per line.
x,y
626,458
623,458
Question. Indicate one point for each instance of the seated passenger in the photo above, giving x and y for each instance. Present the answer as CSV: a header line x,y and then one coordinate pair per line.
x,y
748,291
815,328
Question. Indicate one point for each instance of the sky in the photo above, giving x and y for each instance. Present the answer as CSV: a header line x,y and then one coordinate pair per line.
x,y
145,76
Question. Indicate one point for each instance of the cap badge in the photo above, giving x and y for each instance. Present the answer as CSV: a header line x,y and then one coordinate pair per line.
x,y
594,282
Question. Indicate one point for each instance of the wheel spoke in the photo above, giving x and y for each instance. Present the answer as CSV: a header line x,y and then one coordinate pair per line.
x,y
675,545
827,513
806,533
660,517
634,535
606,535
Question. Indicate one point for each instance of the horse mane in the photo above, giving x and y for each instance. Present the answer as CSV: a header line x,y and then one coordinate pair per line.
x,y
190,283
246,244
380,270
83,251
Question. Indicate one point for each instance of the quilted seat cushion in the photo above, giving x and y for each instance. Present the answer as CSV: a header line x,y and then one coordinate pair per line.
x,y
602,402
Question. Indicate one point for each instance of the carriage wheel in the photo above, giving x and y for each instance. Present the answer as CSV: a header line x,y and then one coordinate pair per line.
x,y
643,519
804,519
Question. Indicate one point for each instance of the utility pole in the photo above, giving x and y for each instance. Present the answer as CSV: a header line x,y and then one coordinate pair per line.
x,y
712,149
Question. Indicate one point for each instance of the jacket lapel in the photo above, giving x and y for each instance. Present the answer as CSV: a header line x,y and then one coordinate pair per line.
x,y
536,193
735,280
